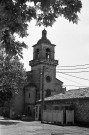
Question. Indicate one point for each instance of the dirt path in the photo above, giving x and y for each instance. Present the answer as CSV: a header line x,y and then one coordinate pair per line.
x,y
12,127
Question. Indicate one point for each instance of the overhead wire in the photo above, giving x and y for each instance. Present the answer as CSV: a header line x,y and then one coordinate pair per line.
x,y
77,86
73,68
67,70
70,80
73,72
75,65
70,70
73,76
73,81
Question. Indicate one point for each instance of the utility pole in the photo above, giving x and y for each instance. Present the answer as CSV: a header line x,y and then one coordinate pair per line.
x,y
42,97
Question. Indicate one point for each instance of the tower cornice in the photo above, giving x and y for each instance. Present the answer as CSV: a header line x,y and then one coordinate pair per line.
x,y
43,61
43,43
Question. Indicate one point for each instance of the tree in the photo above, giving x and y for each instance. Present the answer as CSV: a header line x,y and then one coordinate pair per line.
x,y
12,77
15,15
52,9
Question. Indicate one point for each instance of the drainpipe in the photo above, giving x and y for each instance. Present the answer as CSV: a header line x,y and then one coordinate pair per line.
x,y
42,98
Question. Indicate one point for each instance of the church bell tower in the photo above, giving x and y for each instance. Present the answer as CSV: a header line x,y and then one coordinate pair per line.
x,y
43,66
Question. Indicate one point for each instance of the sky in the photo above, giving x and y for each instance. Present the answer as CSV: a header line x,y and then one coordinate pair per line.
x,y
72,48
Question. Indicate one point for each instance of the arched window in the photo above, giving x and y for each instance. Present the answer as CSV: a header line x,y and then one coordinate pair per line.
x,y
47,53
48,93
37,53
29,95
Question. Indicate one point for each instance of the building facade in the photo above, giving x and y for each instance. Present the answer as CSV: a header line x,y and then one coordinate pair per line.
x,y
41,77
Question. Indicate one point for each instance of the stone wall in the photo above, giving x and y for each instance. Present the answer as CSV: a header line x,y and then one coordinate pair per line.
x,y
81,107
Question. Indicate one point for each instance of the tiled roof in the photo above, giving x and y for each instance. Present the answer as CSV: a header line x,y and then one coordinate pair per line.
x,y
77,93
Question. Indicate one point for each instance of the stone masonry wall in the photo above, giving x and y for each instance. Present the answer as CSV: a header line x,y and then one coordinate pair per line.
x,y
81,107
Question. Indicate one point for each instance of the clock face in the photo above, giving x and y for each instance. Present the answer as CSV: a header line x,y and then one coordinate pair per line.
x,y
48,79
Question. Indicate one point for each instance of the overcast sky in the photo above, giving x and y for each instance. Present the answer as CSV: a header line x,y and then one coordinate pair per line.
x,y
72,47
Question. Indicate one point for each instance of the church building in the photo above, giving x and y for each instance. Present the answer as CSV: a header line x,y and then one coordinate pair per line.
x,y
41,77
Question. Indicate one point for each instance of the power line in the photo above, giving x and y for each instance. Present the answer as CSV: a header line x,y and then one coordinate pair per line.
x,y
76,86
70,80
73,76
73,68
74,72
75,65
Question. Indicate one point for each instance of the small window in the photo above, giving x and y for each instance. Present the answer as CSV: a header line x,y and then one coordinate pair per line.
x,y
37,53
48,79
29,95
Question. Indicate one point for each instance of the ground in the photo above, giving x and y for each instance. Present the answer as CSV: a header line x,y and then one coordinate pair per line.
x,y
14,127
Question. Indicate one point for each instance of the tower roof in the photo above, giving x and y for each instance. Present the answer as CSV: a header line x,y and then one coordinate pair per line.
x,y
44,38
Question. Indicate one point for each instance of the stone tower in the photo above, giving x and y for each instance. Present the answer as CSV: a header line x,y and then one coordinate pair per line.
x,y
43,66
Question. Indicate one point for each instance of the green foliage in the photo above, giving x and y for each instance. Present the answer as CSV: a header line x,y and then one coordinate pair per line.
x,y
15,15
12,76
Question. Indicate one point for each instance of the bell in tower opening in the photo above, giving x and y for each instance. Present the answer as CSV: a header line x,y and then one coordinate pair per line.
x,y
47,53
